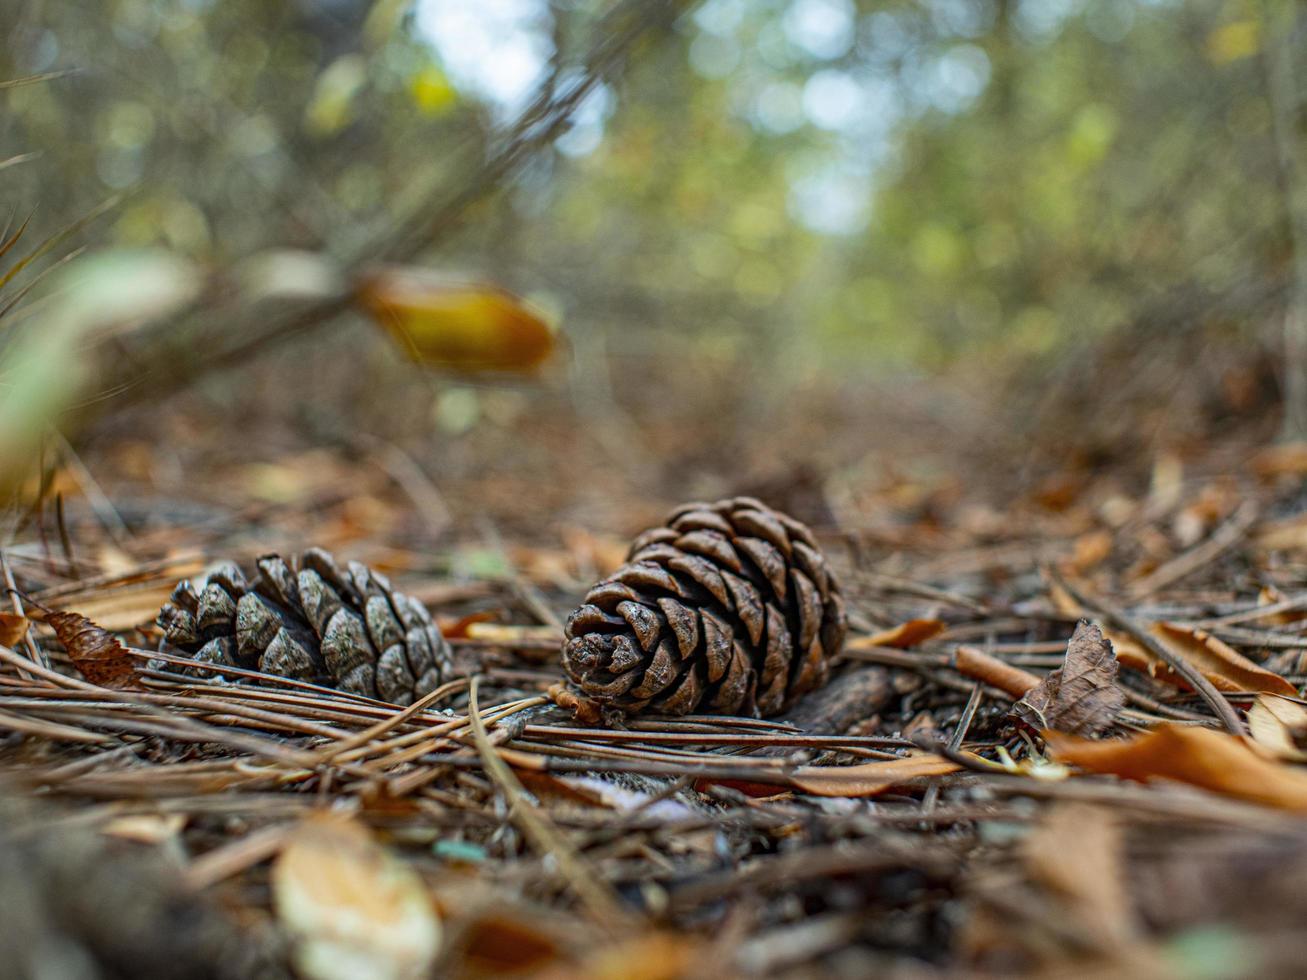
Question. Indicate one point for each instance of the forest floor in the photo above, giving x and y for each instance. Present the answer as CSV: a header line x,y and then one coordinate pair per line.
x,y
943,807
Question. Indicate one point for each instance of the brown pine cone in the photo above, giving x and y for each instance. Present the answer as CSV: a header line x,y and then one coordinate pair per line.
x,y
347,629
728,608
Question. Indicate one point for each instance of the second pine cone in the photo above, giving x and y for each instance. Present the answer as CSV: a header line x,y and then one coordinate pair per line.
x,y
728,608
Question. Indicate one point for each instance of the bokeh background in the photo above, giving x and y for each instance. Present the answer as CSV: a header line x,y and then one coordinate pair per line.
x,y
788,242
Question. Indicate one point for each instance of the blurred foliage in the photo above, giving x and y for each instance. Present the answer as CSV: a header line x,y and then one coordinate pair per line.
x,y
788,184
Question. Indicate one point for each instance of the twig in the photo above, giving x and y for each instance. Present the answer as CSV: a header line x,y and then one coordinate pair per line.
x,y
1221,540
29,638
978,665
931,797
600,901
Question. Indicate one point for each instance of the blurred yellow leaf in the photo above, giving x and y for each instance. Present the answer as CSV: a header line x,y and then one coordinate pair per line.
x,y
353,909
431,91
468,327
1230,42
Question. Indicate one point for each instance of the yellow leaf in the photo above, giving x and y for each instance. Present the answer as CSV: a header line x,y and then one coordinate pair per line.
x,y
466,327
431,91
1201,757
1230,42
353,909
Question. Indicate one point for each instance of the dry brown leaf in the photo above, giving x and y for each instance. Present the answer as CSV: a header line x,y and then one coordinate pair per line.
x,y
1081,697
456,629
13,627
1289,534
1269,595
903,636
1285,459
498,944
123,609
145,828
1225,667
353,909
650,956
1076,852
468,327
1091,549
1063,601
1279,725
869,778
101,658
1201,757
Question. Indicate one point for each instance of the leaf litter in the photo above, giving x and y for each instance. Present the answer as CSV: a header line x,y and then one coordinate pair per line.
x,y
979,787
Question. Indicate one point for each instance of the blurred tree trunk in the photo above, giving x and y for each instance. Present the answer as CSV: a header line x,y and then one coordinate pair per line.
x,y
1281,22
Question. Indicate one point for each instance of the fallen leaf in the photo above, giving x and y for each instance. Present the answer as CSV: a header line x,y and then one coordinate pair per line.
x,y
145,828
1081,697
1201,757
1289,534
1285,459
650,956
467,327
13,627
1076,852
904,636
352,908
496,944
1091,550
1279,725
1225,667
870,778
100,657
1271,596
456,629
754,790
124,609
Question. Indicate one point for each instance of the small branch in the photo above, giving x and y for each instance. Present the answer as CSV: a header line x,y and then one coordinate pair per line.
x,y
1218,543
600,901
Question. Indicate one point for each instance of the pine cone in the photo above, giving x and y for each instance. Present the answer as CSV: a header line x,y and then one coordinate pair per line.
x,y
346,629
728,608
